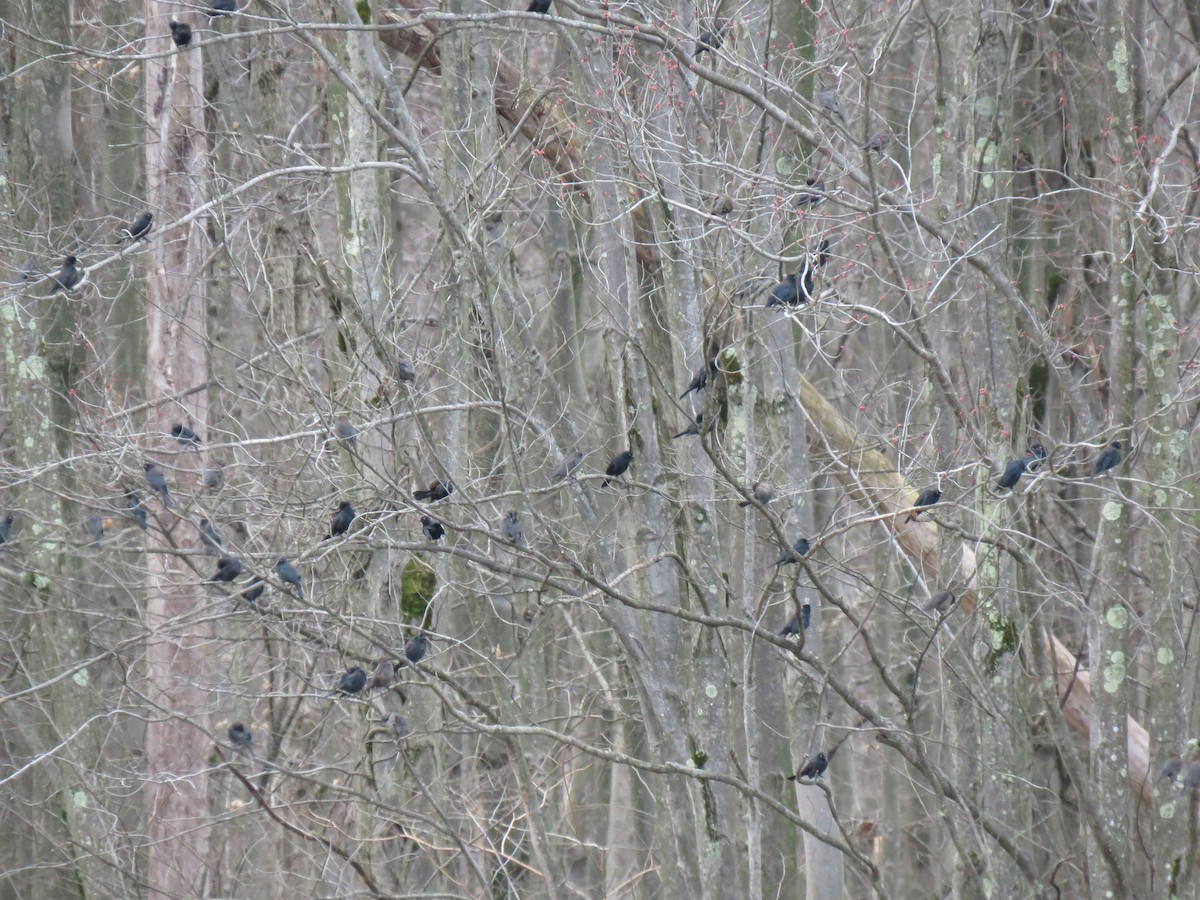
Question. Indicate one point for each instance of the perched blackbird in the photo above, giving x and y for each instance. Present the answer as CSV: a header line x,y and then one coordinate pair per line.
x,y
512,528
157,481
1171,768
94,526
133,504
209,535
141,225
539,6
254,590
793,624
711,40
701,380
437,491
927,497
289,575
185,435
214,478
693,428
181,34
1012,473
228,569
828,101
240,736
66,277
1034,456
352,681
569,464
415,649
385,672
341,521
814,767
763,493
793,290
939,600
1109,459
6,525
799,549
221,8
434,530
405,371
813,196
878,142
346,432
617,466
399,726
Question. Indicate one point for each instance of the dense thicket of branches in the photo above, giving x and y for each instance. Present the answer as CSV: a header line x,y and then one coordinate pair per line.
x,y
486,238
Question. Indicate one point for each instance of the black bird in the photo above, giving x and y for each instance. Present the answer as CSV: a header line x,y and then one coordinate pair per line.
x,y
799,549
814,767
346,432
927,497
181,34
617,466
813,196
939,600
6,528
1034,456
185,435
405,371
763,493
221,8
66,277
1171,768
289,575
94,526
434,530
240,736
794,289
254,590
569,464
437,491
341,521
711,40
878,142
415,649
209,535
1012,473
228,569
399,725
214,478
793,625
693,428
512,528
1109,459
133,504
141,225
820,256
352,681
701,380
539,6
157,481
722,205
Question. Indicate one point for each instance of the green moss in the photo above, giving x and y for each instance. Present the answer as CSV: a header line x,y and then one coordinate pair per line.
x,y
364,11
1004,640
417,586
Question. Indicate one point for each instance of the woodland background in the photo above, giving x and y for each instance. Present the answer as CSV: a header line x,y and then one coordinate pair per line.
x,y
519,206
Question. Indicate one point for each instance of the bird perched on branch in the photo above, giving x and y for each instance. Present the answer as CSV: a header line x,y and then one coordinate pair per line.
x,y
140,227
241,737
940,600
6,525
799,550
214,478
66,277
927,497
346,433
185,436
137,512
221,8
539,6
434,530
157,481
617,466
567,466
438,490
1012,473
253,590
228,569
700,381
181,34
384,674
812,196
814,767
799,288
1108,460
828,101
711,40
415,649
405,371
693,427
341,521
209,535
352,682
94,526
288,574
512,528
762,492
722,205
878,142
793,624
